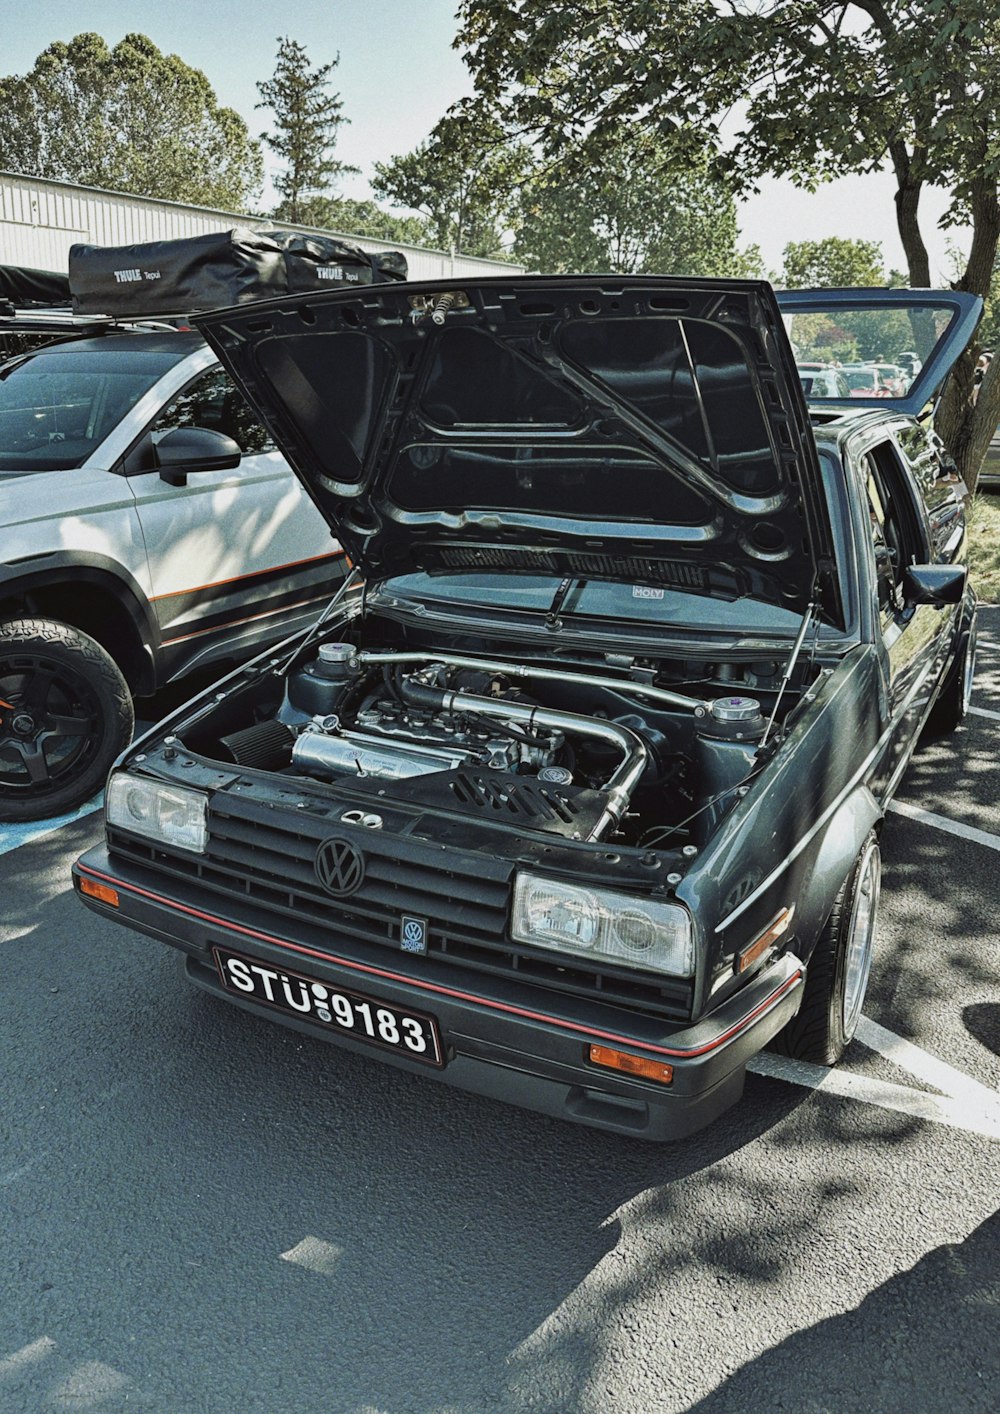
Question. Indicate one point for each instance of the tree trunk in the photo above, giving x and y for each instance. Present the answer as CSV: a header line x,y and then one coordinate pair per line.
x,y
966,422
907,198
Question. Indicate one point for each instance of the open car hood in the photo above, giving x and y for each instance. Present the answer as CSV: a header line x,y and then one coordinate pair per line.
x,y
630,428
920,332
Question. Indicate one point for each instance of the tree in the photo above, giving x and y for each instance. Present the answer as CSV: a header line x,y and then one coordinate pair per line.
x,y
363,218
127,119
306,119
832,263
636,215
464,181
830,87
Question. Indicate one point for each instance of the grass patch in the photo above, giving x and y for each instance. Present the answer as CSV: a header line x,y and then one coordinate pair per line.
x,y
984,547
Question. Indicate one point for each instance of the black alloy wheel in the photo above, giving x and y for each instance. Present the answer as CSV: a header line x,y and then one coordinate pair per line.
x,y
65,713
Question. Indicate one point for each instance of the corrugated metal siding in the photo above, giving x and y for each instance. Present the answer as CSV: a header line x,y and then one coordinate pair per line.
x,y
41,219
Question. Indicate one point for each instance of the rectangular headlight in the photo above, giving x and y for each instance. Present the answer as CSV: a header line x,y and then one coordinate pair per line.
x,y
626,929
170,814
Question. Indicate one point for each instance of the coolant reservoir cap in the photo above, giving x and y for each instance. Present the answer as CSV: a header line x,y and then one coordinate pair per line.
x,y
735,709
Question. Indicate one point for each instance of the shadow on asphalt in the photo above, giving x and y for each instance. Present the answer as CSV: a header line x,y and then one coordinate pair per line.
x,y
882,1355
983,1022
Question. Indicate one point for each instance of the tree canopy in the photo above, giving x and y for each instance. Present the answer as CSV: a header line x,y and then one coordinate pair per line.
x,y
306,118
363,218
637,215
127,119
832,263
463,181
828,87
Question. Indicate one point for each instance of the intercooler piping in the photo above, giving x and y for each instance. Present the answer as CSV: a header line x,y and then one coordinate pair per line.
x,y
530,670
622,781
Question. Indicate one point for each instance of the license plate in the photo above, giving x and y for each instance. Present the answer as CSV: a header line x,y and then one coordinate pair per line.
x,y
366,1018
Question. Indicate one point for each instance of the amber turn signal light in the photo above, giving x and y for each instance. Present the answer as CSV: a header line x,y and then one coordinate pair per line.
x,y
102,892
632,1065
779,924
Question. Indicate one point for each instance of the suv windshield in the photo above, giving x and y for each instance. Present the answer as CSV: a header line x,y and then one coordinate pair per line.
x,y
56,407
641,604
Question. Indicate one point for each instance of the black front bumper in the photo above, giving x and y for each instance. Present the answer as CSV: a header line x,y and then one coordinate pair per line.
x,y
523,1045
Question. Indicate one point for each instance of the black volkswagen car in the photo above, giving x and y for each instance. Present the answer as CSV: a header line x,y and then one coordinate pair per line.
x,y
578,805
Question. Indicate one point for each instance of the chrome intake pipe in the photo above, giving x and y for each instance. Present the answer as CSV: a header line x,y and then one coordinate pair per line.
x,y
623,779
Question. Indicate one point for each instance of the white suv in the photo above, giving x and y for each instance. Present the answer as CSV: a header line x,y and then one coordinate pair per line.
x,y
149,527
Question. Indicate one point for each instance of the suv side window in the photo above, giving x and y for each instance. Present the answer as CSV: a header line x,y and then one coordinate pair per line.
x,y
212,401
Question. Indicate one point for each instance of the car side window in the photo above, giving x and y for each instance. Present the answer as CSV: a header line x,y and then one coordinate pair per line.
x,y
213,401
897,539
940,487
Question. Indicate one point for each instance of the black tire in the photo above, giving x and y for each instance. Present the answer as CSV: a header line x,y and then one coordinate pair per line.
x,y
65,713
837,975
952,704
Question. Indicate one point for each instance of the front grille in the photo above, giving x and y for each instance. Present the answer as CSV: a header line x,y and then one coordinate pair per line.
x,y
266,857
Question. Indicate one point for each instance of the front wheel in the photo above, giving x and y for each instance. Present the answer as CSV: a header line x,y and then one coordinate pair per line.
x,y
65,713
839,968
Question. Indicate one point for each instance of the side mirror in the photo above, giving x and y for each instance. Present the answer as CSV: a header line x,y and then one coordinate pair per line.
x,y
934,584
193,449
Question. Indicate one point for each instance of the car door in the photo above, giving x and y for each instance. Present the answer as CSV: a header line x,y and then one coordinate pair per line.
x,y
235,556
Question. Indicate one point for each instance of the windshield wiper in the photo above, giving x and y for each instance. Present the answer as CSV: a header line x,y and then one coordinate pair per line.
x,y
552,619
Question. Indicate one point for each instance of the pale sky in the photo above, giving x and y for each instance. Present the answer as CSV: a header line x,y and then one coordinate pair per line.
x,y
397,75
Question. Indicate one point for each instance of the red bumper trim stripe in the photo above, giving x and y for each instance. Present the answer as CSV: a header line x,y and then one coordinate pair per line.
x,y
434,987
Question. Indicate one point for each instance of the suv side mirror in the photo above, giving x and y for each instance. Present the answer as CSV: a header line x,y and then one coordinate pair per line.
x,y
192,449
934,584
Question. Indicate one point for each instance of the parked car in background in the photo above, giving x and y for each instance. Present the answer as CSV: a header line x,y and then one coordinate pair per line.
x,y
580,807
149,527
865,381
989,475
893,377
828,382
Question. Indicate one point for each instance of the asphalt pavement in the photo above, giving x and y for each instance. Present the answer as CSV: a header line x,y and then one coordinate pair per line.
x,y
204,1212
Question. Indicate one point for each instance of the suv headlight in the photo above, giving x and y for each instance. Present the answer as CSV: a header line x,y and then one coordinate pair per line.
x,y
171,814
623,928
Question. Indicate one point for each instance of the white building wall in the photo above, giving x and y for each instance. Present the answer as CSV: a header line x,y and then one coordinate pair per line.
x,y
40,220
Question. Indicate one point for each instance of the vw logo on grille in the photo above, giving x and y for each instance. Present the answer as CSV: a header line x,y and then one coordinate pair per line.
x,y
339,866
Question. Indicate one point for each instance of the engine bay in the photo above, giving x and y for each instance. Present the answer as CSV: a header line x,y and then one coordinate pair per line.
x,y
649,754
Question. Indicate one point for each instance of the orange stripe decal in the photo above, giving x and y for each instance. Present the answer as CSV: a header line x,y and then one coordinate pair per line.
x,y
242,578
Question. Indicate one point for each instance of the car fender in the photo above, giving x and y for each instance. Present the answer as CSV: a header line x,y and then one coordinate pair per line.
x,y
837,848
38,581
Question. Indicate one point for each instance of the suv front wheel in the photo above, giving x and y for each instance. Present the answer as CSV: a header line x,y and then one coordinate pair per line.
x,y
65,713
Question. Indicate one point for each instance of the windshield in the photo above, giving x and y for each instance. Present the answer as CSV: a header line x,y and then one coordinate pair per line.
x,y
57,407
598,599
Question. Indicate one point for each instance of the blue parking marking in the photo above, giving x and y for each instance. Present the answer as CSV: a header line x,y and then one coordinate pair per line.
x,y
13,836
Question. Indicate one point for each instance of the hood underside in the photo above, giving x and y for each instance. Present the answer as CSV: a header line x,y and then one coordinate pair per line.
x,y
632,428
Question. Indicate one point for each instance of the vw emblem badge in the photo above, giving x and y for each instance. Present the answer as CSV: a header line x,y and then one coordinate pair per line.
x,y
339,866
413,934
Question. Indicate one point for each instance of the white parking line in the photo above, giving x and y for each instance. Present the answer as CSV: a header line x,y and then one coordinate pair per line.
x,y
984,712
923,1066
941,822
975,1117
13,836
